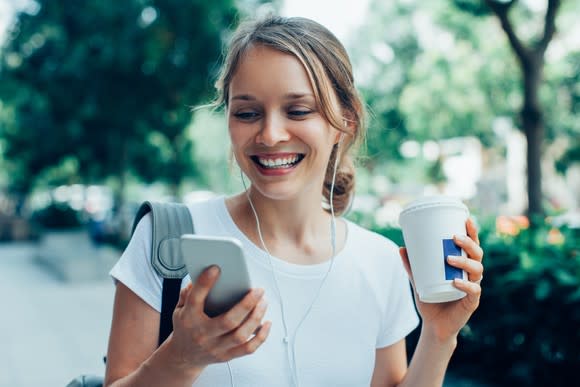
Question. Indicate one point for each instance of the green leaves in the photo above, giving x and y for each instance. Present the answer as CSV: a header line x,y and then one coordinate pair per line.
x,y
110,84
525,331
531,288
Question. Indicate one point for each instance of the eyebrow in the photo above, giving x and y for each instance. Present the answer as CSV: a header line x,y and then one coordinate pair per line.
x,y
298,95
248,97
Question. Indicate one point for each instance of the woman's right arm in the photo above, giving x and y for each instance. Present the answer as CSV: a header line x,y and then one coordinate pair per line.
x,y
133,358
132,354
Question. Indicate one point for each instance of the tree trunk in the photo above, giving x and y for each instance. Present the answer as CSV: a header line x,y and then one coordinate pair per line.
x,y
531,61
533,127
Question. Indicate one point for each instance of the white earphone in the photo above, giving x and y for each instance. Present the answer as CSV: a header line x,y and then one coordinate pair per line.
x,y
289,342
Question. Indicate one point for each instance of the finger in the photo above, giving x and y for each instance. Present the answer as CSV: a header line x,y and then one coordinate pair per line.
x,y
232,319
472,230
473,250
203,284
249,327
253,344
472,289
473,268
183,294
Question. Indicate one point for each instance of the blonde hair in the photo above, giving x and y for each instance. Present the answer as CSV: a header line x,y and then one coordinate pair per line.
x,y
330,71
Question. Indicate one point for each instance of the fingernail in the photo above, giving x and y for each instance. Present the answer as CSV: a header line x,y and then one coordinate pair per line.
x,y
460,238
213,270
262,305
452,258
259,292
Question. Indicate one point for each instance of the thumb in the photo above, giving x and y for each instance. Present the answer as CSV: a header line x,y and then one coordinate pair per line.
x,y
202,285
405,259
407,265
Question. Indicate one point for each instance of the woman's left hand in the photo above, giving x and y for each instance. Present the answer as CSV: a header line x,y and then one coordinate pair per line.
x,y
445,319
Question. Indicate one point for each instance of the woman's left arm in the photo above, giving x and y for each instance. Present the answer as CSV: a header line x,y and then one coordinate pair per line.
x,y
441,323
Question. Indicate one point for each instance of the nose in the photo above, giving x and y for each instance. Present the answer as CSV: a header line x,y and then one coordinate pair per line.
x,y
272,131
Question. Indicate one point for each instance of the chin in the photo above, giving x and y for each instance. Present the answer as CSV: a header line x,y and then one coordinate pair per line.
x,y
279,192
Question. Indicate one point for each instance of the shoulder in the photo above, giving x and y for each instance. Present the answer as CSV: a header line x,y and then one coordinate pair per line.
x,y
375,257
207,207
372,243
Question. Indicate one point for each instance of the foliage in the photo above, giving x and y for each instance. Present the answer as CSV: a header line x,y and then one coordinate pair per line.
x,y
525,331
566,94
429,71
108,85
531,56
385,51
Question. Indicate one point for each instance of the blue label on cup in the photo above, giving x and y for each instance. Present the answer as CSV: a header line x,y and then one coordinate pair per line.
x,y
450,248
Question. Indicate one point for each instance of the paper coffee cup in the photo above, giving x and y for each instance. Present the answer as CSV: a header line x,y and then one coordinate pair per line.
x,y
428,226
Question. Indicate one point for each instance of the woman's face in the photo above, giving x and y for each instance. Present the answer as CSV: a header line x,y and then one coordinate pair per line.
x,y
280,138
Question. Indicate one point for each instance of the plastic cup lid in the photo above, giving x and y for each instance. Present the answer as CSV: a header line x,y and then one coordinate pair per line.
x,y
434,201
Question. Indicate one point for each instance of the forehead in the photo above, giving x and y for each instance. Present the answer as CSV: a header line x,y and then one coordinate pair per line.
x,y
265,70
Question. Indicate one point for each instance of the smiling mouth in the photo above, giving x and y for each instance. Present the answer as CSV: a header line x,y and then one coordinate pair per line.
x,y
289,161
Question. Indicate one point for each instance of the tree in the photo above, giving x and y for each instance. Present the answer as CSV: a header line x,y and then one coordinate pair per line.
x,y
107,86
430,73
566,96
384,49
426,75
531,59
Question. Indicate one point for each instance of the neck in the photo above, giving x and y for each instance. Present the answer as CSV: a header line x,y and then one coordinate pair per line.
x,y
298,231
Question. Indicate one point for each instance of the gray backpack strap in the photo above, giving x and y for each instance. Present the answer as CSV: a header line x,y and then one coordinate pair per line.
x,y
170,221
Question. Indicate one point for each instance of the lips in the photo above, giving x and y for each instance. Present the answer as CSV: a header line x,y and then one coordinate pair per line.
x,y
277,163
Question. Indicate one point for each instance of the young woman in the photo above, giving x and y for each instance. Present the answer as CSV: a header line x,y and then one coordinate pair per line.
x,y
332,303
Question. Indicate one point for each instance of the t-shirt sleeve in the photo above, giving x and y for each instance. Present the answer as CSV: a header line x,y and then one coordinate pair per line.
x,y
134,268
399,317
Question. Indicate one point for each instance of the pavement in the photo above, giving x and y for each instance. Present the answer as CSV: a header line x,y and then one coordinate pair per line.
x,y
51,330
55,326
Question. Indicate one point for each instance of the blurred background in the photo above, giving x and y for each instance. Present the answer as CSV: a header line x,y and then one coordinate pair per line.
x,y
479,99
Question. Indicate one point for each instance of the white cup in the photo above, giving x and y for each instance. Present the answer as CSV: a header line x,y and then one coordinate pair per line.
x,y
428,226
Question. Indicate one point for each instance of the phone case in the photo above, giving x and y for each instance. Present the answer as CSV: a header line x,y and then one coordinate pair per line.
x,y
199,252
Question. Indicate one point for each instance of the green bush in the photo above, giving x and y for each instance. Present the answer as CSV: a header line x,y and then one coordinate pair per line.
x,y
526,330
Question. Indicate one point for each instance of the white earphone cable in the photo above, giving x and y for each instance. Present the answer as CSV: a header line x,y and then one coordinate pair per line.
x,y
287,340
231,374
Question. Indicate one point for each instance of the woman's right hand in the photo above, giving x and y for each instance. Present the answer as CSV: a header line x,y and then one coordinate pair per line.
x,y
199,340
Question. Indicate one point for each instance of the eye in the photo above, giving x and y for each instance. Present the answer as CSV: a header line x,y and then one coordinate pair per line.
x,y
299,113
246,115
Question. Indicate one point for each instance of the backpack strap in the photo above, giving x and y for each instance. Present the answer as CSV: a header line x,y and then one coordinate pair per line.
x,y
170,296
169,222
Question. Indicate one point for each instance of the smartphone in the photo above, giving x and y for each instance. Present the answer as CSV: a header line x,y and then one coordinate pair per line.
x,y
199,252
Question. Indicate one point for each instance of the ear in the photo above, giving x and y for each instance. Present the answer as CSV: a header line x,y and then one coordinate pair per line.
x,y
339,137
348,127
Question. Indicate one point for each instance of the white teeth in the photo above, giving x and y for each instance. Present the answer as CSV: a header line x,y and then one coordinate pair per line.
x,y
279,162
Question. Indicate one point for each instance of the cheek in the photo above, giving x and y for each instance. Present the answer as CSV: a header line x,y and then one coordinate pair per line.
x,y
235,153
237,135
240,139
319,135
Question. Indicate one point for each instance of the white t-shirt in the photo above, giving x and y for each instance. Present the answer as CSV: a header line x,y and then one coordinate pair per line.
x,y
365,304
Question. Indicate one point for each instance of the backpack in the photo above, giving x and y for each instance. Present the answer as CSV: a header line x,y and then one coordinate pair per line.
x,y
169,222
